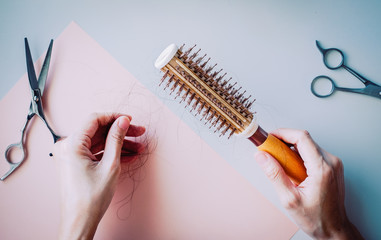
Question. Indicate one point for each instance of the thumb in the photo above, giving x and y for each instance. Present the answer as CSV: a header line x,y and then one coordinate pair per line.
x,y
114,140
275,173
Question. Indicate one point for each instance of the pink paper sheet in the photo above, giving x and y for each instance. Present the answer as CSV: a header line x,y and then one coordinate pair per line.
x,y
185,189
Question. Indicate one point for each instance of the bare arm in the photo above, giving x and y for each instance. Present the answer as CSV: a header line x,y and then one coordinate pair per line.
x,y
317,204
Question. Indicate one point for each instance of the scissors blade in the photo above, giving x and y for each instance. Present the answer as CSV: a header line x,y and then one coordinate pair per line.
x,y
30,66
373,90
45,68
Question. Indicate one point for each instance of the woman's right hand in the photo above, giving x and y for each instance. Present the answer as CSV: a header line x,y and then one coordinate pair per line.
x,y
317,204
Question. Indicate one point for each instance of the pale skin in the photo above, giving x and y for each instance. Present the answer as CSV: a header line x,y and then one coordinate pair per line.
x,y
88,180
317,204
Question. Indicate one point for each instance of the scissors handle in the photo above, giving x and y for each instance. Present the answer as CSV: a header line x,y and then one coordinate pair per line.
x,y
8,152
13,165
357,75
333,58
323,86
370,89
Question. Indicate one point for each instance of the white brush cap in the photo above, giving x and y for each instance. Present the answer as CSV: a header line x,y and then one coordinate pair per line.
x,y
249,131
166,56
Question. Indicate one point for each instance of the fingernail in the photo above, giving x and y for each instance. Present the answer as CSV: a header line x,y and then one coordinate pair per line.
x,y
261,157
123,123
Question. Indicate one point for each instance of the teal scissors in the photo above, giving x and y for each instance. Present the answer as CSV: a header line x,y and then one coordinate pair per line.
x,y
37,89
370,89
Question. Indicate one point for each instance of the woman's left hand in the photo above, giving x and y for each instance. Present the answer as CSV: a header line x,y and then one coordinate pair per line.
x,y
89,166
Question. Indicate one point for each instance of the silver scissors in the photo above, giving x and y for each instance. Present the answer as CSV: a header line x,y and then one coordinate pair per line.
x,y
371,88
37,89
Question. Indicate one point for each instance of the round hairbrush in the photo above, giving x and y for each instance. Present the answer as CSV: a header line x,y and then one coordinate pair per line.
x,y
221,103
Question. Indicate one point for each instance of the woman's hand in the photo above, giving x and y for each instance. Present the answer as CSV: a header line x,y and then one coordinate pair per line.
x,y
317,204
89,166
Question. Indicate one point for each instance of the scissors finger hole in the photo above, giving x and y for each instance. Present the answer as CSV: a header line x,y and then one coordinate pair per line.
x,y
333,58
322,86
14,154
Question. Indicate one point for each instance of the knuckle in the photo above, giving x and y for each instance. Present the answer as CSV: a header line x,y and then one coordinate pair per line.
x,y
93,115
337,163
117,137
290,201
273,173
82,138
328,173
305,134
78,140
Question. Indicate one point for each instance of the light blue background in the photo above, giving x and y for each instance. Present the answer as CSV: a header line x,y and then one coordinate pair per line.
x,y
267,46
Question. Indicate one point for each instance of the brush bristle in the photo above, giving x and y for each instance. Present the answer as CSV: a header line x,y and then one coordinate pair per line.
x,y
218,101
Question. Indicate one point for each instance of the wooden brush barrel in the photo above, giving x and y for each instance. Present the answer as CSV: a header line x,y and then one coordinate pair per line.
x,y
290,160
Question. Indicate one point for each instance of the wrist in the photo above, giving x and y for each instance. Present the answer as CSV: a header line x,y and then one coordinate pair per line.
x,y
79,225
343,231
349,231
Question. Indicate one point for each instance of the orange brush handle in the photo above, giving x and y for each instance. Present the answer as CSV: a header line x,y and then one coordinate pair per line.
x,y
287,158
290,160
